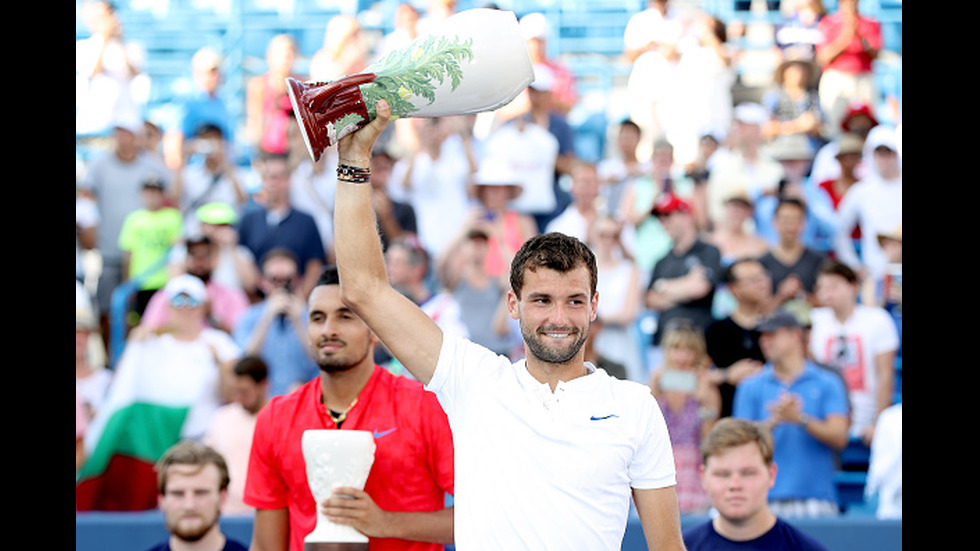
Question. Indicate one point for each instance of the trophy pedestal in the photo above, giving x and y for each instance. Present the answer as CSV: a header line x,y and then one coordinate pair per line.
x,y
335,546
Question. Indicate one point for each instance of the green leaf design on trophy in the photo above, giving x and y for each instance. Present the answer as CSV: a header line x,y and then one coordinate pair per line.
x,y
412,71
348,123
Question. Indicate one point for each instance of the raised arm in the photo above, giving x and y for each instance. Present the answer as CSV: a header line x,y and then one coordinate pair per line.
x,y
411,336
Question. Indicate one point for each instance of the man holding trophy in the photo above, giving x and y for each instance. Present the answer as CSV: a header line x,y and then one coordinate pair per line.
x,y
549,451
314,448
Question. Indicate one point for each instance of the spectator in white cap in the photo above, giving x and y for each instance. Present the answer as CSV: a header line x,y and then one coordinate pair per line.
x,y
543,114
746,166
226,304
114,180
874,203
475,266
795,154
186,292
496,185
540,158
533,153
203,105
188,350
561,83
564,92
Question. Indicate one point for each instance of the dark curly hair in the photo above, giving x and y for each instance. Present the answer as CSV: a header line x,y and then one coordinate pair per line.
x,y
555,251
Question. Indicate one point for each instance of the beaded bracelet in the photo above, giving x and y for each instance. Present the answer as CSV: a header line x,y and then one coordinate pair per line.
x,y
353,174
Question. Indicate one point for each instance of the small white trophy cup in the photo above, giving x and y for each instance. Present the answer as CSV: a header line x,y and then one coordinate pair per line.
x,y
336,458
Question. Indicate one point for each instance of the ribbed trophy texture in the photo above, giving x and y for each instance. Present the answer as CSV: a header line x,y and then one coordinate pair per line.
x,y
336,458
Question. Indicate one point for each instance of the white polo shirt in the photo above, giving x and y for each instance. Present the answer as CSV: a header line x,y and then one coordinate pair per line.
x,y
542,470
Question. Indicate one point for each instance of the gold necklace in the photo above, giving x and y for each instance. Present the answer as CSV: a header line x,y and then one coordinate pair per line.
x,y
339,417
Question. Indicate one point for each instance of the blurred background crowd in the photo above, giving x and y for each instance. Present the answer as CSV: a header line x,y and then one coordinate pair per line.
x,y
724,159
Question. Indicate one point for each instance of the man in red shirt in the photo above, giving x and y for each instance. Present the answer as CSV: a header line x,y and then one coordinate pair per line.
x,y
402,505
851,42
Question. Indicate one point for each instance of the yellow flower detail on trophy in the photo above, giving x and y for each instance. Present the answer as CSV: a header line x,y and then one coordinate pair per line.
x,y
412,74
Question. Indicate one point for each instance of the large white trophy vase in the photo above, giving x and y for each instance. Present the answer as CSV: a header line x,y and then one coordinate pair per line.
x,y
476,62
336,458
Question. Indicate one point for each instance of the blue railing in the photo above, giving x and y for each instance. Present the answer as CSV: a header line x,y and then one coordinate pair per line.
x,y
128,531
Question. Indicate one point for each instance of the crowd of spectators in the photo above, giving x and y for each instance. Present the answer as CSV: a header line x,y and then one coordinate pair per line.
x,y
806,183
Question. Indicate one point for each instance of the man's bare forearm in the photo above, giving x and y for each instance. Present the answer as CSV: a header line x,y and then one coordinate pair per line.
x,y
435,526
407,331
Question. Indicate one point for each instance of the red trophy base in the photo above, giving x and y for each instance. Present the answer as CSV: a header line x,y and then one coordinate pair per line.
x,y
320,105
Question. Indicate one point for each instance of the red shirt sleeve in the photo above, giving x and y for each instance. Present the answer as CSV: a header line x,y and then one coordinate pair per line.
x,y
264,487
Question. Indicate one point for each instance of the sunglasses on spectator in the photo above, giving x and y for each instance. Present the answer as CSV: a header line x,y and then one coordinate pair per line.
x,y
184,301
279,281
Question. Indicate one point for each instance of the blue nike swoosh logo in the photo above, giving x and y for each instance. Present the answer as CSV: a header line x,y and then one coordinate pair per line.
x,y
594,418
378,434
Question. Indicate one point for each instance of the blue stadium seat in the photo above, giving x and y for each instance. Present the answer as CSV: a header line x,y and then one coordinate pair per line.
x,y
850,488
855,457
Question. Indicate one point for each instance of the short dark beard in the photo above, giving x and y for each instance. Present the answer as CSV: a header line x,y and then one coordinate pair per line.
x,y
185,535
549,355
328,367
329,364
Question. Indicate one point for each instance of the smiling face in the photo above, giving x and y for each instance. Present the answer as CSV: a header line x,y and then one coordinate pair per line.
x,y
555,311
737,481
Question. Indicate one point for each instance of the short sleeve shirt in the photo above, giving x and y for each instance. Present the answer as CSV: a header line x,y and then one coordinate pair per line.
x,y
852,347
575,453
674,265
297,232
806,465
854,59
147,236
413,463
781,537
